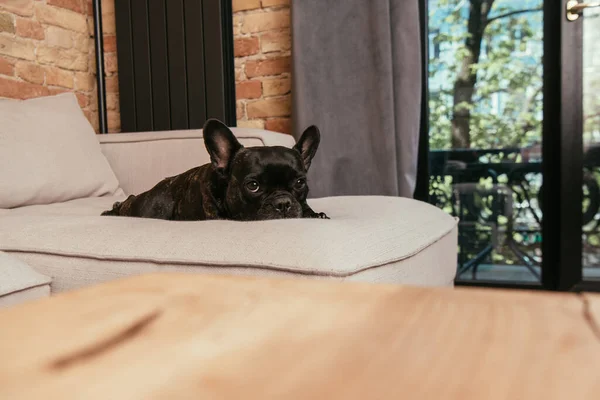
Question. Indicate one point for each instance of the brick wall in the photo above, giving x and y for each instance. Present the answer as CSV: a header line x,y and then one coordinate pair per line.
x,y
46,47
262,63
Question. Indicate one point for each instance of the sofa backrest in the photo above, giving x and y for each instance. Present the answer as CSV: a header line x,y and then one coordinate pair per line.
x,y
140,160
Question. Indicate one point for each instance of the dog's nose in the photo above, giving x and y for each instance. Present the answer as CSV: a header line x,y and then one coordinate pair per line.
x,y
282,204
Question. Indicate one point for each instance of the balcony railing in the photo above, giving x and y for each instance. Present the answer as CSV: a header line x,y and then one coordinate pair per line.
x,y
497,196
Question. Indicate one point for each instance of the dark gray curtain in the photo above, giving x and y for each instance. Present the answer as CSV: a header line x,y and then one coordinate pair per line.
x,y
357,76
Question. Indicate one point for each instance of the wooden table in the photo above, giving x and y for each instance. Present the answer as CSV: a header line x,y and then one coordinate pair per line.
x,y
173,336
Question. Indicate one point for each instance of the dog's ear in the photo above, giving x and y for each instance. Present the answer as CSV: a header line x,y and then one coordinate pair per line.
x,y
220,143
308,144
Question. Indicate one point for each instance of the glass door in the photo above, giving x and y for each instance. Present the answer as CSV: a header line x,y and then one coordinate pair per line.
x,y
511,138
589,18
485,68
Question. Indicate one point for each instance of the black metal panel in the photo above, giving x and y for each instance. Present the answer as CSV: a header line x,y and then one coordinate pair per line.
x,y
99,49
217,53
175,63
230,117
195,62
125,61
160,65
141,65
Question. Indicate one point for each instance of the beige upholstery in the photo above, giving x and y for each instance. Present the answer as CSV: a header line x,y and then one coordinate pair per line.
x,y
375,239
48,153
140,160
19,282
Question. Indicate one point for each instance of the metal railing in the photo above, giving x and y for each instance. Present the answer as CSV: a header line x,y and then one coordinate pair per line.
x,y
497,195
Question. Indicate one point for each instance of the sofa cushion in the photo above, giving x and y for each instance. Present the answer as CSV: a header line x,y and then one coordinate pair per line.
x,y
384,239
49,153
19,282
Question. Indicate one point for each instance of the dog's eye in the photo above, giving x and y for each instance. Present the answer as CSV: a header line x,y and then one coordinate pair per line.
x,y
253,186
299,184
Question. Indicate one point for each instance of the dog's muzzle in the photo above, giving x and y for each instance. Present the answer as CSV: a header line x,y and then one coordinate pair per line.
x,y
283,205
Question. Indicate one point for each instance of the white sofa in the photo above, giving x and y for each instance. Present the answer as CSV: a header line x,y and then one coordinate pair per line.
x,y
374,239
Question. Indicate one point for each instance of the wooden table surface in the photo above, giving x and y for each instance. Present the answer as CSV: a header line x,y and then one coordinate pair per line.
x,y
168,336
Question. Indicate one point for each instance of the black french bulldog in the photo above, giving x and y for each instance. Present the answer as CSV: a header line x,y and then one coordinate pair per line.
x,y
239,183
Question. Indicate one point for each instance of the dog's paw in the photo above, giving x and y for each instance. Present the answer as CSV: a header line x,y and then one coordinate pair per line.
x,y
311,214
321,216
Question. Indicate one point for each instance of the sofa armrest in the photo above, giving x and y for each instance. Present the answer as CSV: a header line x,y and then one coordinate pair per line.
x,y
19,282
140,160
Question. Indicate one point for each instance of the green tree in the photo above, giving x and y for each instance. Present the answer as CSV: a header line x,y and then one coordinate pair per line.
x,y
497,50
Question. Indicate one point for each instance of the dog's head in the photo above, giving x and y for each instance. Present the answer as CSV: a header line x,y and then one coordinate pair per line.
x,y
262,182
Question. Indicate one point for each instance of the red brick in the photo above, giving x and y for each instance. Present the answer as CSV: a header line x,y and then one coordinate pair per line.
x,y
7,23
74,5
84,81
110,43
21,90
276,87
90,26
59,77
17,47
112,84
271,66
112,101
30,29
248,90
276,41
237,25
71,59
108,7
265,21
59,37
241,5
110,62
93,101
239,109
114,121
245,46
61,17
82,42
82,99
92,117
239,74
7,67
108,21
30,72
19,7
271,107
283,125
56,90
255,124
273,3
